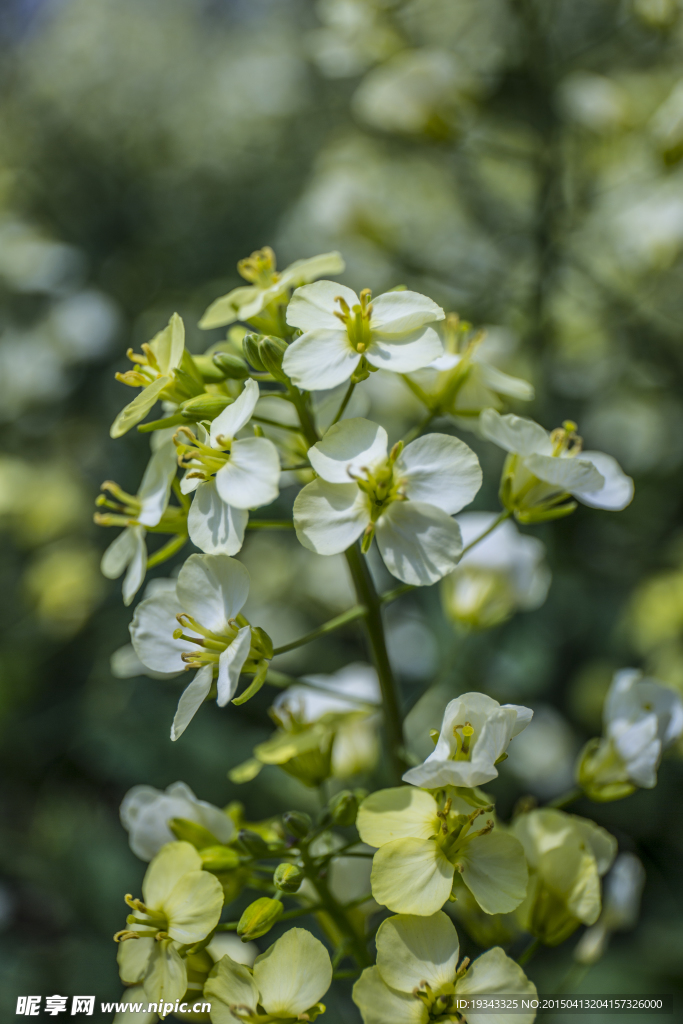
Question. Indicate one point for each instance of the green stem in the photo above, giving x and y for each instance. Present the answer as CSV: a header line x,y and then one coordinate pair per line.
x,y
530,951
391,595
270,524
307,425
329,905
328,627
418,428
345,401
496,522
566,798
167,551
367,595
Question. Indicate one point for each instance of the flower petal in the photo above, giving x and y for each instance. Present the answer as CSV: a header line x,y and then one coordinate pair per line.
x,y
250,478
403,353
191,699
151,633
397,813
216,528
137,567
165,871
494,870
235,416
569,474
230,984
133,959
135,994
313,306
411,876
156,484
418,542
168,345
293,974
378,1003
401,312
347,449
503,384
328,518
412,950
616,492
320,359
166,978
515,433
230,665
495,972
138,408
227,308
212,589
441,471
120,552
193,907
302,271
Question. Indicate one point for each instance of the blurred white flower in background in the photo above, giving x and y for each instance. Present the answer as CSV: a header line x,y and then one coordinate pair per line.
x,y
543,756
622,890
145,813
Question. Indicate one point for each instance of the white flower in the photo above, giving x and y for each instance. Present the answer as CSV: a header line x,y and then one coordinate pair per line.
x,y
475,734
417,978
393,332
145,509
503,573
145,813
209,595
181,905
405,499
229,474
354,688
287,982
544,470
155,373
641,719
247,302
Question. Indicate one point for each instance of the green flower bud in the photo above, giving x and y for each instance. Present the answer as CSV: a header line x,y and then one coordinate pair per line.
x,y
261,642
288,877
253,843
204,407
343,808
298,823
251,351
231,366
601,772
210,371
219,858
259,918
271,351
191,832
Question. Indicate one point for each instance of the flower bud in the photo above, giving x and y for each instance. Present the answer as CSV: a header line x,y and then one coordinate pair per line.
x,y
288,877
253,843
231,366
298,823
192,832
601,772
259,918
204,407
251,351
210,371
261,642
343,808
219,858
271,351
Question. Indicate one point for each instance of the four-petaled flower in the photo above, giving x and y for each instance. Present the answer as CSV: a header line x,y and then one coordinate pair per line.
x,y
286,983
344,332
417,978
198,625
475,734
641,719
543,471
229,474
404,498
180,906
423,839
267,286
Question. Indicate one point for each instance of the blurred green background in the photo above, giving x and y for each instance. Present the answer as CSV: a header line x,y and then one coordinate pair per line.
x,y
517,160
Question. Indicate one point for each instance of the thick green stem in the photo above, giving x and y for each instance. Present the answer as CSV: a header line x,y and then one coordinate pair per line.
x,y
328,627
367,595
307,425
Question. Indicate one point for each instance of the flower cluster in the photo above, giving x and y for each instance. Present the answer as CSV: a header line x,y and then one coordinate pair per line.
x,y
274,407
